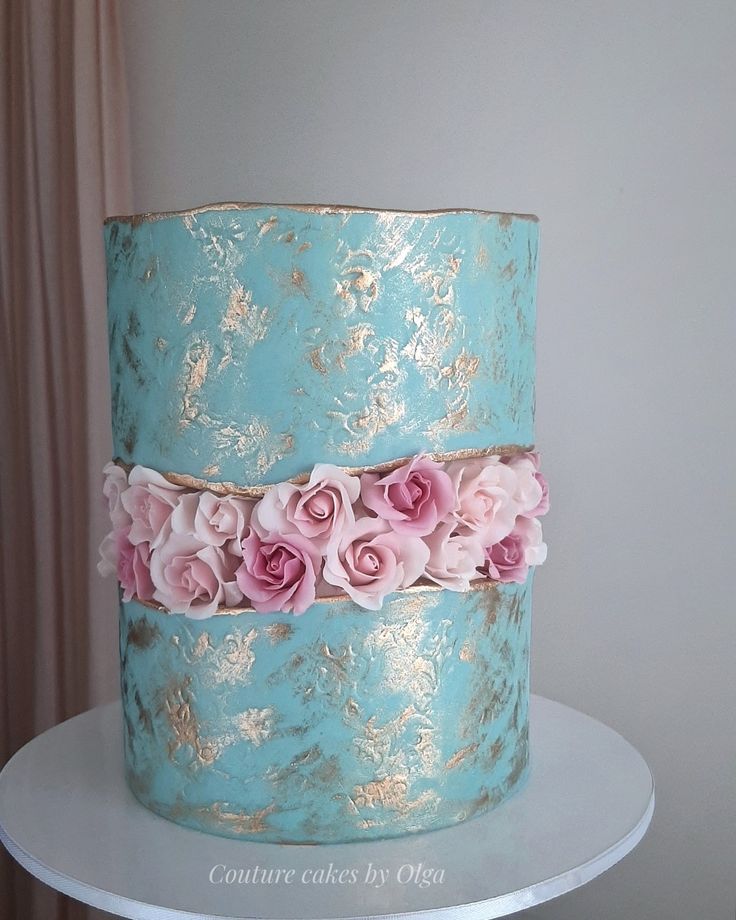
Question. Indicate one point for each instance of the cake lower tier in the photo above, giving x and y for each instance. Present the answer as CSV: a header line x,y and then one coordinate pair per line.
x,y
338,725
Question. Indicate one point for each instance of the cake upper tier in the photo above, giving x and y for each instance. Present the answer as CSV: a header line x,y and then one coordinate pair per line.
x,y
249,342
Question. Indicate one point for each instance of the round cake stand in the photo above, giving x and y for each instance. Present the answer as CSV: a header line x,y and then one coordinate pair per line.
x,y
67,816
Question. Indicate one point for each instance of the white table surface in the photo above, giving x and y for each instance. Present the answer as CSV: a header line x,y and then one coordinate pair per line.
x,y
67,816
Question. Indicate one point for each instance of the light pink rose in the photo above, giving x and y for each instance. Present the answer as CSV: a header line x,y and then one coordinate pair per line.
x,y
278,572
371,560
133,570
217,520
510,559
149,500
454,559
529,489
413,498
193,577
116,482
320,510
543,506
485,491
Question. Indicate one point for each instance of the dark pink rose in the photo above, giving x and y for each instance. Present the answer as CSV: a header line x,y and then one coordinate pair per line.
x,y
279,572
371,561
193,577
320,510
413,498
509,560
149,500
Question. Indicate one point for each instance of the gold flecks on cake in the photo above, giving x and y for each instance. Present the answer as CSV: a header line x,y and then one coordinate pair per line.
x,y
316,359
278,632
355,343
255,725
467,652
242,318
459,756
458,375
298,280
194,373
265,226
200,647
254,441
389,792
183,723
142,634
218,816
231,659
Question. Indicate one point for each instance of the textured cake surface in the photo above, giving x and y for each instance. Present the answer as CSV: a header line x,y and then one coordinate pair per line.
x,y
248,343
332,725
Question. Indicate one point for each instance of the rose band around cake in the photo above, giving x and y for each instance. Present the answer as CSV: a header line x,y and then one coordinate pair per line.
x,y
254,348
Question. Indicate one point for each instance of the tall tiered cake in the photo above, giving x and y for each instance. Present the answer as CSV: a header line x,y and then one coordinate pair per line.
x,y
325,500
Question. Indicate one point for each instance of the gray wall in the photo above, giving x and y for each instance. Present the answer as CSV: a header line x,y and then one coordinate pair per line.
x,y
615,122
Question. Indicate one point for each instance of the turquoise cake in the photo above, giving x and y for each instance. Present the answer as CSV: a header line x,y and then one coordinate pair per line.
x,y
324,619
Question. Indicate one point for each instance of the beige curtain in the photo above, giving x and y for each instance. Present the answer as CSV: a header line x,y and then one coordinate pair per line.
x,y
65,165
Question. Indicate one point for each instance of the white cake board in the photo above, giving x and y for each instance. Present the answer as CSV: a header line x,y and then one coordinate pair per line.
x,y
67,816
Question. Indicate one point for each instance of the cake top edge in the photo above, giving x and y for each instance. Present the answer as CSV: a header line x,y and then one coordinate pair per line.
x,y
151,216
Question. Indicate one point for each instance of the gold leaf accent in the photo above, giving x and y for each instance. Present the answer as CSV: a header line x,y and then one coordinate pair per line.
x,y
184,725
189,315
316,359
189,214
264,226
355,342
255,725
467,652
231,488
278,632
389,792
194,374
459,756
237,822
254,441
142,634
243,318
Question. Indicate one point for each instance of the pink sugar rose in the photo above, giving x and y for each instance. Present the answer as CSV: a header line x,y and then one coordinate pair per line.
x,y
118,556
133,570
454,559
413,498
116,482
543,506
485,491
193,577
218,520
509,560
529,492
371,560
320,510
149,500
279,571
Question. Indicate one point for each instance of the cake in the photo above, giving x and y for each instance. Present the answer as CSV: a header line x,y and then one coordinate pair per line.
x,y
325,500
